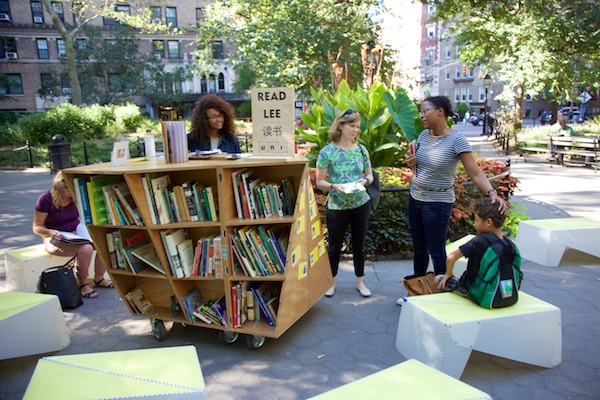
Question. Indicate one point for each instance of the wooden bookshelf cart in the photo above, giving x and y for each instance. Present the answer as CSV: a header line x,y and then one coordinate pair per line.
x,y
307,274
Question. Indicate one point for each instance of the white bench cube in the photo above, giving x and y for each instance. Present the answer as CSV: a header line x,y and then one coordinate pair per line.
x,y
460,266
164,373
25,265
31,323
442,329
410,379
544,241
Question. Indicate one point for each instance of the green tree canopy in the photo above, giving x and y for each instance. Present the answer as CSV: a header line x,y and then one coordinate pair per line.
x,y
299,43
533,46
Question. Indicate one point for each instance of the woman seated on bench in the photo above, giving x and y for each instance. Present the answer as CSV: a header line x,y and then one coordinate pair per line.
x,y
55,211
564,130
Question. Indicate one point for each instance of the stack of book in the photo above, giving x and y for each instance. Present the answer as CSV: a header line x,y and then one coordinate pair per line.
x,y
259,250
132,252
138,301
266,295
175,141
255,198
105,199
188,202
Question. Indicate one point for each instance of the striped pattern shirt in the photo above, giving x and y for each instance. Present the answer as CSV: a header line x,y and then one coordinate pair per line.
x,y
437,159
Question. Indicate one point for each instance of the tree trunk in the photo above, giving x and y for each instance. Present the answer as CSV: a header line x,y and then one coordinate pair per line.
x,y
519,108
72,70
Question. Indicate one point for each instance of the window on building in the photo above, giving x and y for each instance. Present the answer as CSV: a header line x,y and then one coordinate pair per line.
x,y
463,94
430,9
173,49
7,45
457,72
221,82
528,98
470,94
158,48
37,12
481,94
65,83
46,82
156,13
446,93
431,32
448,52
5,10
199,16
429,57
42,49
59,10
81,44
456,95
121,8
203,85
61,48
217,50
212,84
447,73
171,16
11,84
470,72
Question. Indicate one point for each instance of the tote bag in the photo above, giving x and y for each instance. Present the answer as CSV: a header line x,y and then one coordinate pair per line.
x,y
374,189
61,282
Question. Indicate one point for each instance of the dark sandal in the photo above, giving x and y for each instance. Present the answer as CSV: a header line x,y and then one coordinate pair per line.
x,y
110,286
89,295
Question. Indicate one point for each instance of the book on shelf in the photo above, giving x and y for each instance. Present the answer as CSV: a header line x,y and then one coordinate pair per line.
x,y
132,303
112,251
126,199
221,309
235,292
269,245
235,180
289,193
211,203
150,201
191,301
148,254
239,260
171,238
185,250
119,250
141,300
111,209
190,201
251,207
135,264
198,200
134,238
83,200
258,292
97,182
218,267
207,314
159,186
175,141
262,255
92,203
246,255
181,203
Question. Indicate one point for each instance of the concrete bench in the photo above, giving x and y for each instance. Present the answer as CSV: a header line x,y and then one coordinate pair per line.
x,y
442,329
410,379
163,373
31,323
24,266
544,241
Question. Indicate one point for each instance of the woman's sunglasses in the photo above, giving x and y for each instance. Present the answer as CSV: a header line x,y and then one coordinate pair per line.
x,y
348,112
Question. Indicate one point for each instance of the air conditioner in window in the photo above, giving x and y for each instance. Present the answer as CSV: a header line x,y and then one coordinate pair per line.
x,y
11,55
4,17
66,90
38,20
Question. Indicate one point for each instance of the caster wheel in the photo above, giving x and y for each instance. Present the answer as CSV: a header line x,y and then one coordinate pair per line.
x,y
158,329
186,327
227,337
255,342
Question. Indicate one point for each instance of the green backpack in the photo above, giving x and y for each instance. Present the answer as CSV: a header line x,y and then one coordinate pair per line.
x,y
499,278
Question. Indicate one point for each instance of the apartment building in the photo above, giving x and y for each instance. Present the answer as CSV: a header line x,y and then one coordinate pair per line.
x,y
31,49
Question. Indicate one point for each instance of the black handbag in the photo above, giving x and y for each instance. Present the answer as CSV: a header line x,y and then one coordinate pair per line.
x,y
374,189
61,282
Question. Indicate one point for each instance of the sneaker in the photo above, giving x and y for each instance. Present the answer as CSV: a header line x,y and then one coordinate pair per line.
x,y
330,292
401,301
363,290
551,159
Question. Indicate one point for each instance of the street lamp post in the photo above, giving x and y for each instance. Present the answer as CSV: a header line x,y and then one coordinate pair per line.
x,y
487,82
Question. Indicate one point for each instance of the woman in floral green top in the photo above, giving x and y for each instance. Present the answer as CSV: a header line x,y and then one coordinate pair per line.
x,y
343,170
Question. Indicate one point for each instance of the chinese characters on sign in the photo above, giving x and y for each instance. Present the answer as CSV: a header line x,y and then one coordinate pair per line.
x,y
273,121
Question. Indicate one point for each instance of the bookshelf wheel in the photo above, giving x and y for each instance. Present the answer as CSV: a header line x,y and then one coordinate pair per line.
x,y
255,342
158,329
227,337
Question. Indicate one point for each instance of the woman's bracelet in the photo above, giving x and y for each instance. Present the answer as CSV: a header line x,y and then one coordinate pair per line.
x,y
490,191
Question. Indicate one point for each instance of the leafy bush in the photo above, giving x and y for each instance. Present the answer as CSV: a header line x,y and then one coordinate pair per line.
x,y
387,120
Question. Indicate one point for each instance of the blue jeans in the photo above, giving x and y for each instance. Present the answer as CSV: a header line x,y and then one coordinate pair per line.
x,y
337,222
429,227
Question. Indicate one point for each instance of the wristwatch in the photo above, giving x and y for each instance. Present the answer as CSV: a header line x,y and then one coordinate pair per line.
x,y
490,191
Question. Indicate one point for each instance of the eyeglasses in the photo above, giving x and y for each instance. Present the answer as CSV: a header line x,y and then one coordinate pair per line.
x,y
349,112
215,117
423,111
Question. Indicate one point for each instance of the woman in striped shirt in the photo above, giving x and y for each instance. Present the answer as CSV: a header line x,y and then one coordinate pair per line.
x,y
438,151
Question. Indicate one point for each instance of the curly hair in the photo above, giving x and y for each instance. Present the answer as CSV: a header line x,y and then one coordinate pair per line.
x,y
345,117
486,209
200,121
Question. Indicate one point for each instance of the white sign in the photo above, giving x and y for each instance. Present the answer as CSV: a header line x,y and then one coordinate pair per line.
x,y
584,97
120,153
273,122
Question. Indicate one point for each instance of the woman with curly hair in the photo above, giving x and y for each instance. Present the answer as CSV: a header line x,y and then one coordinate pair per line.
x,y
213,126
